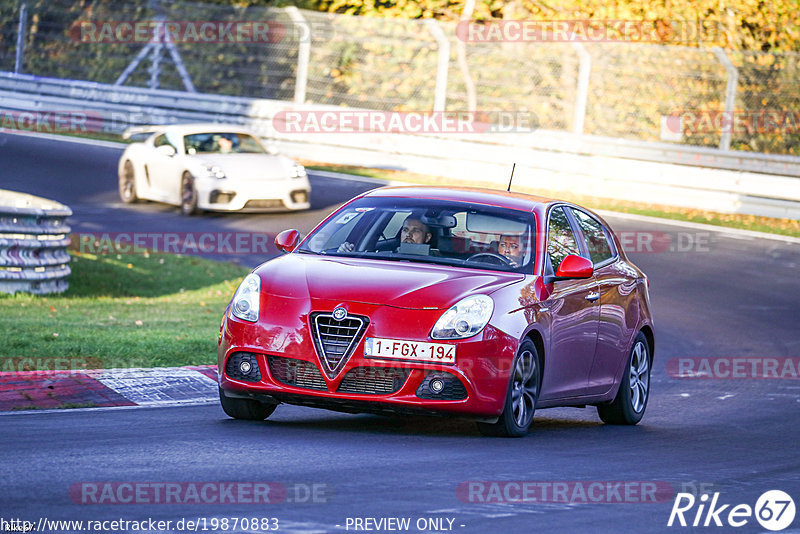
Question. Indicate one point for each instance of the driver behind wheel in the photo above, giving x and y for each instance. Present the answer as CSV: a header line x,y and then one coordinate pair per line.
x,y
512,247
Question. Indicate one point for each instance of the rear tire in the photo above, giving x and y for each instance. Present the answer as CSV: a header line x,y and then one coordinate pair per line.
x,y
127,183
522,396
634,389
247,409
188,195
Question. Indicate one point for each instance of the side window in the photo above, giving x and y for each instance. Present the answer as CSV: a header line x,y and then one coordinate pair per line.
x,y
394,225
560,239
596,238
164,139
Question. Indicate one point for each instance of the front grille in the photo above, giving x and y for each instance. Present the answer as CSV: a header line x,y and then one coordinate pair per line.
x,y
273,203
336,340
453,388
298,373
233,367
373,380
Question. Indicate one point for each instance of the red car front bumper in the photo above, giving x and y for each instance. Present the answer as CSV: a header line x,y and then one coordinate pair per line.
x,y
479,377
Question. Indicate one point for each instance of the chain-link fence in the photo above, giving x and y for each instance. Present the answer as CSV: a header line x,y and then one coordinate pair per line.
x,y
632,90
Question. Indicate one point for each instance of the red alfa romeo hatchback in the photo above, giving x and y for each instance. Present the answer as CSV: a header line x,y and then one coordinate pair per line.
x,y
457,302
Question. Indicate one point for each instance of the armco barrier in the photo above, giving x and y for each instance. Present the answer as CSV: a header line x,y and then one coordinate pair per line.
x,y
663,173
33,241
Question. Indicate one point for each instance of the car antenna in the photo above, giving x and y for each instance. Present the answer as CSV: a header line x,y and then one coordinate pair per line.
x,y
514,166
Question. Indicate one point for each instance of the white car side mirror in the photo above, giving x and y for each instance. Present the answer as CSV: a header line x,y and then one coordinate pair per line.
x,y
166,150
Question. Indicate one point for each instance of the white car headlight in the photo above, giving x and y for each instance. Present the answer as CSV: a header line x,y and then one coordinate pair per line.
x,y
247,298
298,171
465,319
214,171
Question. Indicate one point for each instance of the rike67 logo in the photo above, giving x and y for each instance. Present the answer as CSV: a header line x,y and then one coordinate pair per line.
x,y
774,510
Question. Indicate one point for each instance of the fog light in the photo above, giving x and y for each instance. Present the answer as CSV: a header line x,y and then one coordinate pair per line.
x,y
220,197
245,367
437,385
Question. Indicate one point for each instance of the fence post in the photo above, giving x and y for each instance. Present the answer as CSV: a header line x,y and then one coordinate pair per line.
x,y
23,15
584,70
730,95
155,66
303,54
440,93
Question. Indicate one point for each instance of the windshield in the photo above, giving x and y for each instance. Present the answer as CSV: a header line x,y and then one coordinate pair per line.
x,y
222,143
449,233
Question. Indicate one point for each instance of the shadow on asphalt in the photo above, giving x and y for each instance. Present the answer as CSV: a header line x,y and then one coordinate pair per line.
x,y
406,426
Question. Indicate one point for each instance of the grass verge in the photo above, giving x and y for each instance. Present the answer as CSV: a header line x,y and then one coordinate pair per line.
x,y
123,311
788,227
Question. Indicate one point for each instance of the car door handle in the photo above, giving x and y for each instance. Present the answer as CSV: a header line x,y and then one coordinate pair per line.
x,y
593,296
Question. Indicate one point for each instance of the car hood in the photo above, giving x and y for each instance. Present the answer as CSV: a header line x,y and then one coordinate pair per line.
x,y
248,166
381,282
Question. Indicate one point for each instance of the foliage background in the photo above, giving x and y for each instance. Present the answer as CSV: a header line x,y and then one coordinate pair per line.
x,y
385,58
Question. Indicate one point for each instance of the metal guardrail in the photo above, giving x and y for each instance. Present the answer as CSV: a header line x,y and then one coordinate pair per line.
x,y
33,244
672,174
140,106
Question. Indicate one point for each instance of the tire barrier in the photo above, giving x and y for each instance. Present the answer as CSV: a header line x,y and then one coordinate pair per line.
x,y
33,244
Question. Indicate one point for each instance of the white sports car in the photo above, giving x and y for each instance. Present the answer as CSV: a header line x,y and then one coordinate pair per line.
x,y
210,167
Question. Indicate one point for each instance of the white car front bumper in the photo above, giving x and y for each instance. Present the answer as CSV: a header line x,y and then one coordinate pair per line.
x,y
256,195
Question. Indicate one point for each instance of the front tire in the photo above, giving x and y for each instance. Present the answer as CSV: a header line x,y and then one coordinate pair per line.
x,y
634,389
248,409
522,395
188,195
127,183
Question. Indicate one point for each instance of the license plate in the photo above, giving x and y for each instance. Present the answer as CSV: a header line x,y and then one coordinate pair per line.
x,y
409,350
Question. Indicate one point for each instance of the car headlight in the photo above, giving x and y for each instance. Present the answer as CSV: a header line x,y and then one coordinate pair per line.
x,y
247,298
298,171
465,319
214,171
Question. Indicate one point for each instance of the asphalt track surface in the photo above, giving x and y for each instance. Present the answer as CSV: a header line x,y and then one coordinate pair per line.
x,y
734,296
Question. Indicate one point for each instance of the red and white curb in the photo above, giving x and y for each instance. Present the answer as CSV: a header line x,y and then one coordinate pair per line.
x,y
164,386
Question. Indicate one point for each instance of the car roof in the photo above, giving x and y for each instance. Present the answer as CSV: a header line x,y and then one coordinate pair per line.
x,y
491,197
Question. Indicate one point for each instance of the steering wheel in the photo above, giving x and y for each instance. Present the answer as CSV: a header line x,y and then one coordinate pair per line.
x,y
502,259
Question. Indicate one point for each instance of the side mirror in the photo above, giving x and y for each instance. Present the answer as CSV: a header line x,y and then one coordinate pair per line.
x,y
574,267
166,150
287,240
